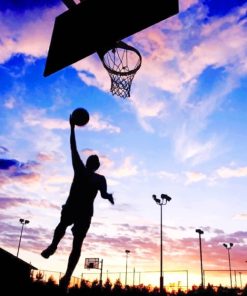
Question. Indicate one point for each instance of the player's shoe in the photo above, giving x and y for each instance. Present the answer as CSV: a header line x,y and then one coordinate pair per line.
x,y
48,252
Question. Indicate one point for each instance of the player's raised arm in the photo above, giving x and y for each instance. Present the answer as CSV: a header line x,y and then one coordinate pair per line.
x,y
76,160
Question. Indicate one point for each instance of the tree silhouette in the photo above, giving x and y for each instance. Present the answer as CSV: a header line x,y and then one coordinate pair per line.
x,y
39,276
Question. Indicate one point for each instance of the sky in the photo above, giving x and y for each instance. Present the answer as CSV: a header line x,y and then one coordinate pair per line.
x,y
182,132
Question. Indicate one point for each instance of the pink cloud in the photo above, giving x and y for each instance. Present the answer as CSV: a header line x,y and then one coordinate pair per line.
x,y
144,243
13,170
43,156
8,202
19,31
186,4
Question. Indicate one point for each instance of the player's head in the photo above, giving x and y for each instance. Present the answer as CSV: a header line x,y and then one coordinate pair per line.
x,y
93,163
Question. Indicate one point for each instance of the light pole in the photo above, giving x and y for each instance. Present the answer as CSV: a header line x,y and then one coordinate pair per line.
x,y
228,247
163,201
23,222
200,232
101,272
126,269
240,277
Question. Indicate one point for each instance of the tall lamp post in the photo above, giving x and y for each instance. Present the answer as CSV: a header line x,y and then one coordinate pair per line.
x,y
126,267
228,247
163,201
23,222
200,232
240,277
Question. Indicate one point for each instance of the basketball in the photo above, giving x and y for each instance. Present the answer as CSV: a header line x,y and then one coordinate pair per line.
x,y
80,116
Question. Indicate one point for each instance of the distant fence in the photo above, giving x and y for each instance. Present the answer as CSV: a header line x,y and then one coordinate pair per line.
x,y
173,279
222,277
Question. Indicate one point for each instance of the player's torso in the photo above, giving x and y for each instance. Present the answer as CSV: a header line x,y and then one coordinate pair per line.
x,y
83,190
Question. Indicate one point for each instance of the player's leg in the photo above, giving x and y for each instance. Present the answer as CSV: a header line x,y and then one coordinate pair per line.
x,y
79,231
58,234
73,260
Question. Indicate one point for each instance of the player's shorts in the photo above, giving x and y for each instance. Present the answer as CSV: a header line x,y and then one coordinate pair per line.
x,y
81,221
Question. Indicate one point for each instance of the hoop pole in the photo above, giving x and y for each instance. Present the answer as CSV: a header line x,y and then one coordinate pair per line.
x,y
101,272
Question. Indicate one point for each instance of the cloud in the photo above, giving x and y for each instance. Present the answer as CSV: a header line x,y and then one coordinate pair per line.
x,y
96,123
10,103
189,148
179,73
167,175
226,173
45,156
8,202
92,72
143,241
193,177
186,4
215,48
126,169
3,150
240,216
211,230
13,170
148,107
19,31
5,164
38,117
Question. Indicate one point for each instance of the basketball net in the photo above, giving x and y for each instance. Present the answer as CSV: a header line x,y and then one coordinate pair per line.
x,y
122,62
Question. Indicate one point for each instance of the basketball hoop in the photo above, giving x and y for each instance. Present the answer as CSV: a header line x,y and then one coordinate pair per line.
x,y
121,62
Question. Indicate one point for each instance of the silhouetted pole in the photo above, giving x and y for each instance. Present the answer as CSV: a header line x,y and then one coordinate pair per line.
x,y
200,232
126,269
101,272
23,222
161,251
163,201
235,276
228,247
240,277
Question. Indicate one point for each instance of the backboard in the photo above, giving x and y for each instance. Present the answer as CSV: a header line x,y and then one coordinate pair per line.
x,y
91,263
94,25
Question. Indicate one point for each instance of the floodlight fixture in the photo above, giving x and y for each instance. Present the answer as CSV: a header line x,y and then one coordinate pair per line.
x,y
228,246
166,197
199,231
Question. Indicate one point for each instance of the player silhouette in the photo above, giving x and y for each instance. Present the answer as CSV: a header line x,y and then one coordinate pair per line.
x,y
78,209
